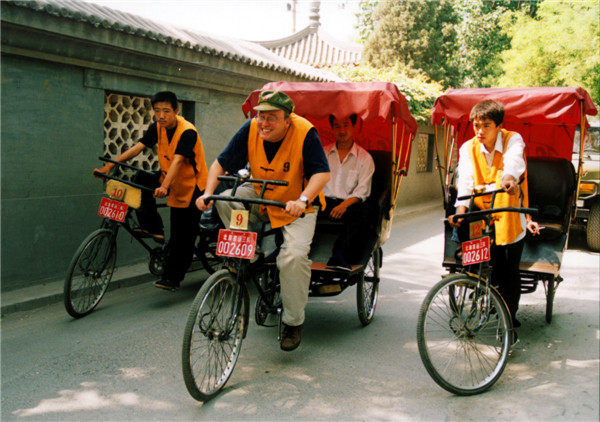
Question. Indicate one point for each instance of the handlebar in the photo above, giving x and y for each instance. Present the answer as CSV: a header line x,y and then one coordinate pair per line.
x,y
246,178
127,182
479,213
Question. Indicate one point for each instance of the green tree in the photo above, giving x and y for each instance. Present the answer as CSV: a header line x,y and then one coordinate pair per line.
x,y
559,47
414,35
419,91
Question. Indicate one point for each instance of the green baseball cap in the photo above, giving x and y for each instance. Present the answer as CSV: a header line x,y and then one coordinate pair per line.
x,y
274,100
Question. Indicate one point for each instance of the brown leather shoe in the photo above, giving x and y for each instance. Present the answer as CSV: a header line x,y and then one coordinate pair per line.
x,y
290,338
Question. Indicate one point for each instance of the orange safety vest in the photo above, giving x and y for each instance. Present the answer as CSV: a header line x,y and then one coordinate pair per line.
x,y
183,185
286,165
508,224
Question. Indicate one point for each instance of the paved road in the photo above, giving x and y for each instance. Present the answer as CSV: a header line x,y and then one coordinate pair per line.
x,y
122,362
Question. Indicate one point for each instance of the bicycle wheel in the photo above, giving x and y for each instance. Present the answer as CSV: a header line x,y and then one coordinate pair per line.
x,y
367,288
206,251
213,334
90,272
463,347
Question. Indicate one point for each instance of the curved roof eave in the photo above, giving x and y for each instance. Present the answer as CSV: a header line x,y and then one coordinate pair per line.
x,y
229,48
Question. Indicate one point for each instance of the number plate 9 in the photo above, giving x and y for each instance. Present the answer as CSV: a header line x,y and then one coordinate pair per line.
x,y
236,244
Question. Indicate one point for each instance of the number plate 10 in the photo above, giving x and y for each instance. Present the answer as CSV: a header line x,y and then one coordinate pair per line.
x,y
114,210
476,251
236,244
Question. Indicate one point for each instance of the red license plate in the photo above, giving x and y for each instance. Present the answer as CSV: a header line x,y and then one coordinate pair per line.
x,y
476,251
112,209
236,244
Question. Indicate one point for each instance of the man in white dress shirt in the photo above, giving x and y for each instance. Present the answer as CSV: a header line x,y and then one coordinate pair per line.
x,y
352,169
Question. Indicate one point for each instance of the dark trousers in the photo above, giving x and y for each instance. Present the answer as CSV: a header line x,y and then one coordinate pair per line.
x,y
358,226
184,229
147,215
506,275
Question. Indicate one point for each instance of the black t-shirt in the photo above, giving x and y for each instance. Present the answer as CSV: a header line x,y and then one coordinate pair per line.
x,y
185,146
235,154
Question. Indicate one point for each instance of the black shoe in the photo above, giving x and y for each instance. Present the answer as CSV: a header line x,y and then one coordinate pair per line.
x,y
172,286
516,323
336,263
290,338
159,237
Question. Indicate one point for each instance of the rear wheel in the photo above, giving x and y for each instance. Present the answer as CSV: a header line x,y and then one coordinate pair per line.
x,y
90,272
367,288
213,335
463,347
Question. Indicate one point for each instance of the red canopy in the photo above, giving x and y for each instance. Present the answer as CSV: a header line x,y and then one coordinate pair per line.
x,y
545,117
375,103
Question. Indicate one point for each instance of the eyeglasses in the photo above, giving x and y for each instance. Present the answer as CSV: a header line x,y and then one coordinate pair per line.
x,y
269,119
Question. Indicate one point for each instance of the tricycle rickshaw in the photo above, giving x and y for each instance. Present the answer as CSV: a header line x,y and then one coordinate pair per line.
x,y
93,264
218,319
464,331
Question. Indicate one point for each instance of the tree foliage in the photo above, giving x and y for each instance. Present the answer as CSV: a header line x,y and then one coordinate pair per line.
x,y
413,35
559,47
420,93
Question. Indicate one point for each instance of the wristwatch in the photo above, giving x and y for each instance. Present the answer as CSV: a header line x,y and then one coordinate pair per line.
x,y
303,199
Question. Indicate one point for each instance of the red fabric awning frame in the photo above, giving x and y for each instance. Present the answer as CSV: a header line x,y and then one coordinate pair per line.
x,y
546,117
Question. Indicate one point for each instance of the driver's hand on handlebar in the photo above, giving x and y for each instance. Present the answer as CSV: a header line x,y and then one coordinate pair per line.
x,y
160,192
201,203
510,185
455,220
295,208
104,170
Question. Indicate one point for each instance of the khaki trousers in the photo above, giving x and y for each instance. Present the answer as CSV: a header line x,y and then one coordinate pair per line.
x,y
292,261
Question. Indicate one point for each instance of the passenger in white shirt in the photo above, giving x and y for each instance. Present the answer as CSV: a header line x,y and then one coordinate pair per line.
x,y
352,169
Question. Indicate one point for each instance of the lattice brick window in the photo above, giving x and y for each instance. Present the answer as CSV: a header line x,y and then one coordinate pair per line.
x,y
126,118
424,153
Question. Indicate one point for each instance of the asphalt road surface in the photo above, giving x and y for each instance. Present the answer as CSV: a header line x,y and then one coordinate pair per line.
x,y
122,362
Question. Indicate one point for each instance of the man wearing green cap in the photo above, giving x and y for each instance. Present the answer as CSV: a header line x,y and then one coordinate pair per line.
x,y
279,145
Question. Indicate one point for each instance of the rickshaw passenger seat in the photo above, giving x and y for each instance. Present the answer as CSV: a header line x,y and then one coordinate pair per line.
x,y
552,184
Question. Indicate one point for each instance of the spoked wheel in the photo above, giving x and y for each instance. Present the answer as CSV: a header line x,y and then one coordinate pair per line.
x,y
206,251
269,282
367,288
463,347
90,272
213,334
158,260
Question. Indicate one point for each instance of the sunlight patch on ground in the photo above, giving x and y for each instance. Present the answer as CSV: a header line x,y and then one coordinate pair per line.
x,y
90,399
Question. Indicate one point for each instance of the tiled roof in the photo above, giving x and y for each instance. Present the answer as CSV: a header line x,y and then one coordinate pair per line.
x,y
315,47
229,48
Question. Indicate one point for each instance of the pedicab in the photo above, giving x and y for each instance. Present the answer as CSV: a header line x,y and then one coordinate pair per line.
x,y
476,343
218,319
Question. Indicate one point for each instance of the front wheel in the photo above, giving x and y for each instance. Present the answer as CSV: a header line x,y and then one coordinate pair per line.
x,y
593,227
90,272
367,288
213,334
463,345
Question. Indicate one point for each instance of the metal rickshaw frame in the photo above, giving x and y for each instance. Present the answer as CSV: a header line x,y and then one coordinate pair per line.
x,y
547,118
